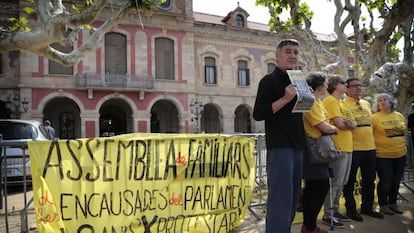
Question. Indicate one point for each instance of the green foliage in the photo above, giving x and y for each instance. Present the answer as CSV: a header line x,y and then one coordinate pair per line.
x,y
333,49
280,26
356,66
19,24
372,5
395,53
304,11
29,10
76,9
144,4
278,7
377,5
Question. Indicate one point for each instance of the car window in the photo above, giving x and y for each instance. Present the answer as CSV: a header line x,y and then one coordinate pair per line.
x,y
14,130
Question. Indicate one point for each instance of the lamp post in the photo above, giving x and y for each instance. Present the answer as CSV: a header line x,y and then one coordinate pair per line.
x,y
196,109
16,102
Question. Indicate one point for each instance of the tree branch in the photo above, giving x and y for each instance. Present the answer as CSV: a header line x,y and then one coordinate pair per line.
x,y
70,59
398,14
55,24
88,14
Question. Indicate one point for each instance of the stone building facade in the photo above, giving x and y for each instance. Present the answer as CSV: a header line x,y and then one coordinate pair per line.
x,y
176,71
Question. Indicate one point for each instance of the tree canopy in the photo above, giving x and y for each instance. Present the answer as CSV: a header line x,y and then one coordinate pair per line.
x,y
365,44
51,21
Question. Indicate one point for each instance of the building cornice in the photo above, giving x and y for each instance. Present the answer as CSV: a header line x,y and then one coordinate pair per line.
x,y
223,34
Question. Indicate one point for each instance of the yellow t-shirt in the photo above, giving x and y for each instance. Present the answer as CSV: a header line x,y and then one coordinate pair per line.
x,y
336,108
315,116
389,134
362,136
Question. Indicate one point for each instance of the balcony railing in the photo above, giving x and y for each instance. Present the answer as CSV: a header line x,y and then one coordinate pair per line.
x,y
93,80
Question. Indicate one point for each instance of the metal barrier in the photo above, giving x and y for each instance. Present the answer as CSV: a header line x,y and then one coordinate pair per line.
x,y
258,200
259,196
409,168
9,160
260,191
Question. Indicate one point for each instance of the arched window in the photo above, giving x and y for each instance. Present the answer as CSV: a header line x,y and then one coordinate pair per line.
x,y
351,73
240,21
57,68
66,125
164,58
210,76
242,123
115,53
164,117
210,119
243,73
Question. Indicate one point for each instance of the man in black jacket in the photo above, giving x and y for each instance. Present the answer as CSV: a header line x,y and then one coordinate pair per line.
x,y
276,97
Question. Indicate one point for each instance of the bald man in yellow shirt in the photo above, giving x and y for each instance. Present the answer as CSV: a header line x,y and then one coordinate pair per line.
x,y
363,155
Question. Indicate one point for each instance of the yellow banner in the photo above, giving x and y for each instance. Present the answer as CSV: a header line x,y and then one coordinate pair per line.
x,y
143,183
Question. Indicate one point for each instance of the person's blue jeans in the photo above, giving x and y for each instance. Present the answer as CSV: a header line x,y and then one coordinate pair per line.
x,y
366,161
341,169
390,172
284,168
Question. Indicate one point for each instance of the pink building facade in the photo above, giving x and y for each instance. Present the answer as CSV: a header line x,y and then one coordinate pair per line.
x,y
178,72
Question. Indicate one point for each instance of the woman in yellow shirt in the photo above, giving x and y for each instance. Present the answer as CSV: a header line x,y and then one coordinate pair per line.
x,y
316,123
389,134
341,116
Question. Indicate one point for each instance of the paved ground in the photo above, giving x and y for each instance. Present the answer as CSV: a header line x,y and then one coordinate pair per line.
x,y
391,224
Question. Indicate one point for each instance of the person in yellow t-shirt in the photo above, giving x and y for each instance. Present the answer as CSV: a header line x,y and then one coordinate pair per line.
x,y
316,176
363,154
340,116
389,129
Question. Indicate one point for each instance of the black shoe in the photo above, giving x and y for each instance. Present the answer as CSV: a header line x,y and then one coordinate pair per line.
x,y
386,210
354,215
372,214
394,208
341,217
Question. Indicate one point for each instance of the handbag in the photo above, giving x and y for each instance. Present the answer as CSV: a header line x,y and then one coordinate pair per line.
x,y
322,150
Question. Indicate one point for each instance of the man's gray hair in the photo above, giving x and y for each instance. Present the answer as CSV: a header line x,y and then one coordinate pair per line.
x,y
286,42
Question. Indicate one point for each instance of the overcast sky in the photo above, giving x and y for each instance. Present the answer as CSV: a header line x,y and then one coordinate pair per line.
x,y
322,20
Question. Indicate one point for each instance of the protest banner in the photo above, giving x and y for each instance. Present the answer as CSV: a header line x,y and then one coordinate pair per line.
x,y
143,183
